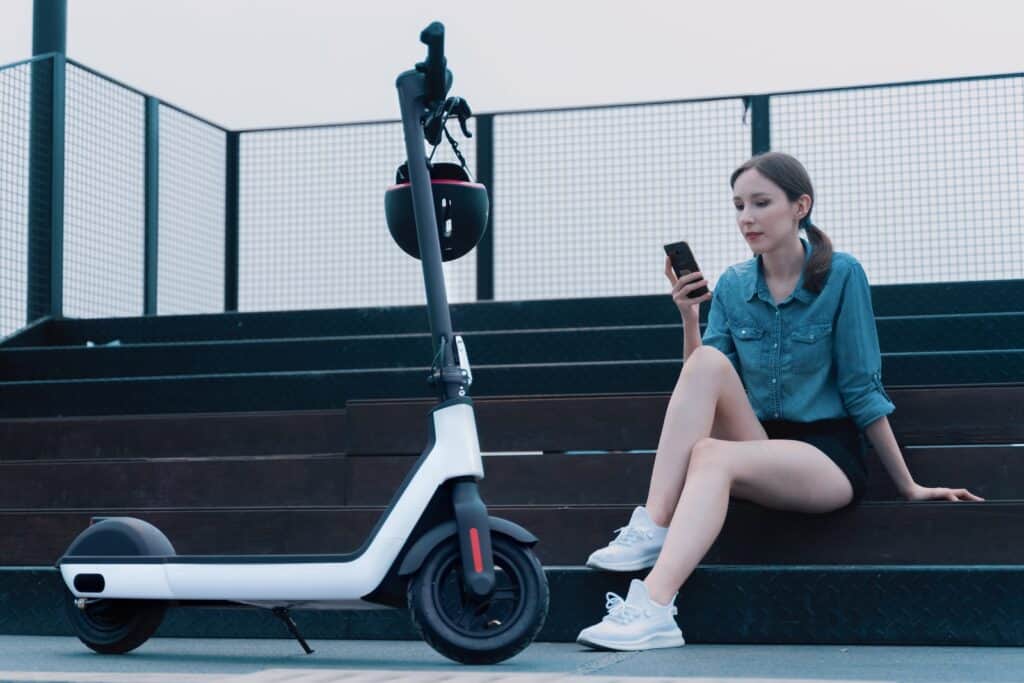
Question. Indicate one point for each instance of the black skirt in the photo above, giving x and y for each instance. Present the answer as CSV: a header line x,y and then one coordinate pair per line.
x,y
839,439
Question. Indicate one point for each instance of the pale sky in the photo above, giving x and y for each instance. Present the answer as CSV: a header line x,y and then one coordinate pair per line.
x,y
254,63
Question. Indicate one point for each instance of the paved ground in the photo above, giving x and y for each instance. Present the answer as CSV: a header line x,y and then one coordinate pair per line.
x,y
163,660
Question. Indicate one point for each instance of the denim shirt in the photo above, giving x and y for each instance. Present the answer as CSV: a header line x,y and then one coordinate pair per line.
x,y
811,357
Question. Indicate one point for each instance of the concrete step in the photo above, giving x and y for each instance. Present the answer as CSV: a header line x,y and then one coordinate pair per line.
x,y
497,347
938,298
861,605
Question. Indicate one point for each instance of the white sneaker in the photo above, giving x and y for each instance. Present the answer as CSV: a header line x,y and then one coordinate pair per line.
x,y
636,547
636,623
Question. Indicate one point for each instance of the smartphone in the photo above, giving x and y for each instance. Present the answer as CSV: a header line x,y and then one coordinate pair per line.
x,y
681,256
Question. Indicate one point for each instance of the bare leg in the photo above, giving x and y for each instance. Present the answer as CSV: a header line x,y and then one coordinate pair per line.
x,y
690,413
697,521
708,400
777,473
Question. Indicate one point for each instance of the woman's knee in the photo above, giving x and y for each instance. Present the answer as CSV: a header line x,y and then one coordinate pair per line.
x,y
707,458
706,358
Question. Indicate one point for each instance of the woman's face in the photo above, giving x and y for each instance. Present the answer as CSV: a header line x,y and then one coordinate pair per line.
x,y
765,216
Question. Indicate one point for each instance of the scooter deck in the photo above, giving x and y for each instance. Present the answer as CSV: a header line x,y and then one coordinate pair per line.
x,y
210,559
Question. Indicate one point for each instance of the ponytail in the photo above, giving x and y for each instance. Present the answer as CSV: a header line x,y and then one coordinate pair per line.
x,y
817,268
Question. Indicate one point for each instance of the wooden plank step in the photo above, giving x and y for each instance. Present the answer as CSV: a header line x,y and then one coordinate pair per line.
x,y
193,435
275,481
940,415
944,415
869,533
327,390
994,473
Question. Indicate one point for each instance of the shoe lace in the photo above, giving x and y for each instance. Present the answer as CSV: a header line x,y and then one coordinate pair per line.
x,y
628,535
619,611
622,612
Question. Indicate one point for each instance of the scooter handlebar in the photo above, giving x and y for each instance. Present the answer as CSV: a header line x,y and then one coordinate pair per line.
x,y
433,37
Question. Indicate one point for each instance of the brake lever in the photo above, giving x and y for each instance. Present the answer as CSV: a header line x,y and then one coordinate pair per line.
x,y
460,108
433,123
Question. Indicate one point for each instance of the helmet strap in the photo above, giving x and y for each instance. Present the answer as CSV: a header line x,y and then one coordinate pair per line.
x,y
460,108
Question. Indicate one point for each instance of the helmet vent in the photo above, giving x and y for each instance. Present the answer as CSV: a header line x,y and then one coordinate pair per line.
x,y
446,211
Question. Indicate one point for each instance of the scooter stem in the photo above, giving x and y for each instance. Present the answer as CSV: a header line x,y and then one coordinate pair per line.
x,y
411,87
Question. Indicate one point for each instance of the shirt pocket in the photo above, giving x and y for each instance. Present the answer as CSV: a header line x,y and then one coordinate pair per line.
x,y
812,347
749,341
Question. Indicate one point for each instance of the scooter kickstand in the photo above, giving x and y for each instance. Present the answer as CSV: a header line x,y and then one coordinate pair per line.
x,y
282,614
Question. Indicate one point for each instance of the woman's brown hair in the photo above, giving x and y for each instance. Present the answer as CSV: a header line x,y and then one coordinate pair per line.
x,y
791,176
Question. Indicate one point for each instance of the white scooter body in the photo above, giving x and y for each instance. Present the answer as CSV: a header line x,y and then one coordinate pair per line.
x,y
309,582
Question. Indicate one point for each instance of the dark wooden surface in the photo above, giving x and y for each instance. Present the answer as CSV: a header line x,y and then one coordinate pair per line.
x,y
276,483
923,416
871,533
995,473
175,435
330,389
940,416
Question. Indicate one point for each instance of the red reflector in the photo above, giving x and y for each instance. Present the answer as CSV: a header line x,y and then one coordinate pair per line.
x,y
474,541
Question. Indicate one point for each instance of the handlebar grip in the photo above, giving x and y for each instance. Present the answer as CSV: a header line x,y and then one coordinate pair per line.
x,y
433,37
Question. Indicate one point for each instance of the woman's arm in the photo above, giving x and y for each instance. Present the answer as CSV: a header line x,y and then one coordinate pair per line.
x,y
884,441
689,309
717,332
691,337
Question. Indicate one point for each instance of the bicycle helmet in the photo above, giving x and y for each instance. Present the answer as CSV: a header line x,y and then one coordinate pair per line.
x,y
460,206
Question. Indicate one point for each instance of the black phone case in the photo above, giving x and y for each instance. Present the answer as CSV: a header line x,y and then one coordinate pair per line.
x,y
682,259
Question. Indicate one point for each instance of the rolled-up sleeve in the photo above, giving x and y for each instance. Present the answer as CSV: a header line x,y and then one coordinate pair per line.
x,y
717,332
858,359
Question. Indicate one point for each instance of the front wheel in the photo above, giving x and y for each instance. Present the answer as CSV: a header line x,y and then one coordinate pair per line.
x,y
113,627
467,629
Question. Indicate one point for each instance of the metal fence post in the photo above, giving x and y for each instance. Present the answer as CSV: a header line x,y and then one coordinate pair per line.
x,y
485,175
760,125
46,163
152,185
231,223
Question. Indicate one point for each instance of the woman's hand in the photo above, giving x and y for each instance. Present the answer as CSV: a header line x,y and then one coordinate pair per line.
x,y
682,286
918,492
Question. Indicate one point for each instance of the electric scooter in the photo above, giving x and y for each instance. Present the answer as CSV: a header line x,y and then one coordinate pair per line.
x,y
474,587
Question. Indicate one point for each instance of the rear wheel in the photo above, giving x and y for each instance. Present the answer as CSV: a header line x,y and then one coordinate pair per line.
x,y
473,631
113,627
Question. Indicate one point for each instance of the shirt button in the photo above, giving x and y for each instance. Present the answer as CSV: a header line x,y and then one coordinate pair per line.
x,y
776,414
773,380
775,346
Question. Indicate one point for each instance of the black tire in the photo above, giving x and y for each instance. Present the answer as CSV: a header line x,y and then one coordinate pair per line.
x,y
472,632
113,627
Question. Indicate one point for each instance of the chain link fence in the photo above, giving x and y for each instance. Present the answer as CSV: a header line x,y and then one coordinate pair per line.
x,y
311,226
15,110
921,182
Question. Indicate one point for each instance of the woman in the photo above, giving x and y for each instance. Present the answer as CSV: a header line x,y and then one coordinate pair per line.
x,y
769,406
